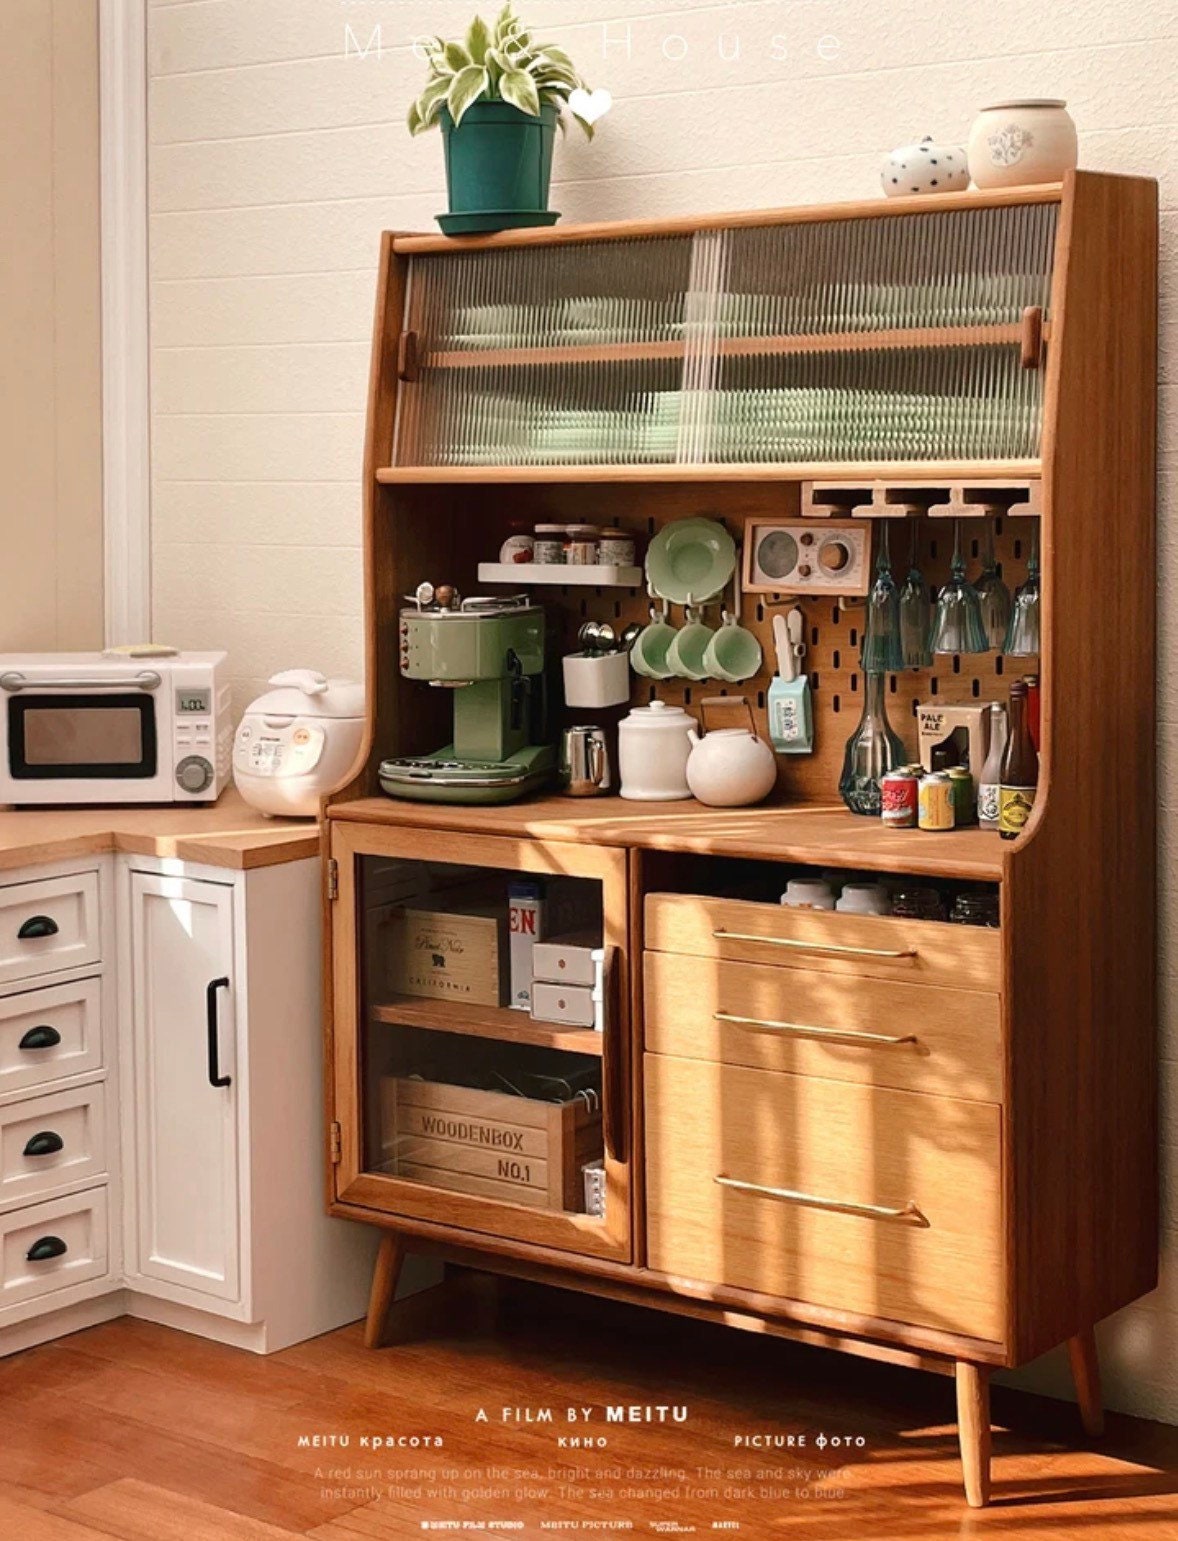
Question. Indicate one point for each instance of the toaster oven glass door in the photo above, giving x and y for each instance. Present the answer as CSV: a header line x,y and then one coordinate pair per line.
x,y
54,736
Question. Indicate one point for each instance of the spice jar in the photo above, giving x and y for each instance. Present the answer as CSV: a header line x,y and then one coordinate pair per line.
x,y
549,544
616,548
580,545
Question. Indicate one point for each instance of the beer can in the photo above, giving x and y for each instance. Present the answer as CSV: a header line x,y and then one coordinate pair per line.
x,y
899,793
936,801
964,804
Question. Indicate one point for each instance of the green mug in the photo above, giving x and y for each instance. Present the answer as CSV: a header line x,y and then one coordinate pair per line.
x,y
733,654
688,649
648,656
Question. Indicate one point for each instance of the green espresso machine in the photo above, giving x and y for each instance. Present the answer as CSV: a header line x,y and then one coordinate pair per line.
x,y
489,652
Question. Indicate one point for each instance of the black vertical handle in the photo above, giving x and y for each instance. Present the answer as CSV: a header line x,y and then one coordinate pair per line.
x,y
215,1076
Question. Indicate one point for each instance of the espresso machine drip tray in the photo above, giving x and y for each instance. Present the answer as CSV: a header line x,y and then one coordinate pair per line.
x,y
430,778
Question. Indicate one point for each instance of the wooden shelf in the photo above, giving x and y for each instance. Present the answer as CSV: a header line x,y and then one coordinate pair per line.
x,y
817,835
498,1022
894,471
561,574
863,341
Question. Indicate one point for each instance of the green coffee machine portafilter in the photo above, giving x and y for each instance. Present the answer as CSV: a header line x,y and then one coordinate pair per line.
x,y
490,653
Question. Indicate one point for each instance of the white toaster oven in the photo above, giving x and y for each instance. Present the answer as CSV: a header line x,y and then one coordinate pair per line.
x,y
113,727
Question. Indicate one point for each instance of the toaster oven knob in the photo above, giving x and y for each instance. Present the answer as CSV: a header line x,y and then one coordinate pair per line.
x,y
194,773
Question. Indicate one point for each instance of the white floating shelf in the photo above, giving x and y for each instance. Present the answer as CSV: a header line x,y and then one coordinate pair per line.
x,y
561,575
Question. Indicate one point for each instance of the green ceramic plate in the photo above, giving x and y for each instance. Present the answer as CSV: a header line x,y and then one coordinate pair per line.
x,y
691,559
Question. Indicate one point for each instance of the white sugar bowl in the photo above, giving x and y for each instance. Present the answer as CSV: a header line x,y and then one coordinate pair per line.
x,y
653,746
1016,144
926,167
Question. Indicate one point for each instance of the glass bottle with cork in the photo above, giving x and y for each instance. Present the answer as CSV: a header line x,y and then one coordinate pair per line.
x,y
1020,768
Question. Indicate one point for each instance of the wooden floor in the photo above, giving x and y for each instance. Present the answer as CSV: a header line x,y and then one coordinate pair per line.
x,y
131,1430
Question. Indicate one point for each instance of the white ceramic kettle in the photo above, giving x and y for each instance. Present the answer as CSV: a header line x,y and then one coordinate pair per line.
x,y
653,746
729,767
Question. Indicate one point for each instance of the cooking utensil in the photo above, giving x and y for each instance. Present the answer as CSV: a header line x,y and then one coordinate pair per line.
x,y
729,767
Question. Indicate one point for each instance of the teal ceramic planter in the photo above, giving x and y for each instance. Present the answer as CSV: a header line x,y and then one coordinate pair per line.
x,y
498,167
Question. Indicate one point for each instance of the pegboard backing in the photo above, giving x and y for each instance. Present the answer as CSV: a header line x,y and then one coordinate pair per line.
x,y
833,627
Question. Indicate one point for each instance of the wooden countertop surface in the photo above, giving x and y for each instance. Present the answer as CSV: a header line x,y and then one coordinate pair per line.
x,y
227,833
805,833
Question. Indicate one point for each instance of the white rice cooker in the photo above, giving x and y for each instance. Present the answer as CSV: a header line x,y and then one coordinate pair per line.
x,y
298,742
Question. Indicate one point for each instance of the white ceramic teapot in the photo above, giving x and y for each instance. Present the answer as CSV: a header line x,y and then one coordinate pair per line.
x,y
729,767
653,746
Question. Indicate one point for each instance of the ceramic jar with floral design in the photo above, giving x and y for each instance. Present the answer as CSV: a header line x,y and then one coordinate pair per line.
x,y
1016,144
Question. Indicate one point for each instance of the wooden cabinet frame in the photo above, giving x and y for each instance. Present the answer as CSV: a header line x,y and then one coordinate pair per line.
x,y
411,1200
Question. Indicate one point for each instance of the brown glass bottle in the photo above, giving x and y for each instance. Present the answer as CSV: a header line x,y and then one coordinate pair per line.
x,y
1020,768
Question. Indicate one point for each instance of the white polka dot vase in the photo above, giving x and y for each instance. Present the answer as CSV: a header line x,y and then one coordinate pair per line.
x,y
926,167
1016,144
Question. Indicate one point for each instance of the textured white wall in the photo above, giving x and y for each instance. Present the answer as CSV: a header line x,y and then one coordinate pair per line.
x,y
278,154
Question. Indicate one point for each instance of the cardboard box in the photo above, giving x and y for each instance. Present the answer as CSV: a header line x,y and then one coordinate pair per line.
x,y
525,925
449,957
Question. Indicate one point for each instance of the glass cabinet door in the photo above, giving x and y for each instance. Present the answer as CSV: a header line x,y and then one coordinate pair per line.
x,y
481,1040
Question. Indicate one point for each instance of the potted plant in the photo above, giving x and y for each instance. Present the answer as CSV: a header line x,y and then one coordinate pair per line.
x,y
498,97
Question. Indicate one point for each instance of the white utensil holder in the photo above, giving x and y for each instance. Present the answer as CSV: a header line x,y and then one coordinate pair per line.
x,y
596,679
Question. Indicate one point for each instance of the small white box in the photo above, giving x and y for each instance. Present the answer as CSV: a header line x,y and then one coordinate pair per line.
x,y
573,1004
567,960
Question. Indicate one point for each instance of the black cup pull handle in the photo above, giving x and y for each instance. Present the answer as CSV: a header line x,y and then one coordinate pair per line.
x,y
46,1249
215,1076
47,1143
40,1037
36,927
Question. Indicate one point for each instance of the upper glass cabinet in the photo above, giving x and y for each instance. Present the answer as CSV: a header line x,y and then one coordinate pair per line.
x,y
907,337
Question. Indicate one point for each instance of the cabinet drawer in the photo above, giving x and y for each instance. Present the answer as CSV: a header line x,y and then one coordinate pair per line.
x,y
49,1143
73,1235
50,1033
912,951
48,925
915,1037
888,1203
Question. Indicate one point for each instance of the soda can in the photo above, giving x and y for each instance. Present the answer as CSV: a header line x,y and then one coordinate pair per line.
x,y
936,801
899,793
964,805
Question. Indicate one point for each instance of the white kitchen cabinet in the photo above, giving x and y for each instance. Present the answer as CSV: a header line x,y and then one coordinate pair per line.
x,y
184,1083
224,1226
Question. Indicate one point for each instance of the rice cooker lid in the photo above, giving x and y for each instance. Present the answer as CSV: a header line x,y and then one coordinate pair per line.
x,y
306,693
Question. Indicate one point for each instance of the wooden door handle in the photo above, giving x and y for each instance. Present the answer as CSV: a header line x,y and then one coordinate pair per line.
x,y
1031,342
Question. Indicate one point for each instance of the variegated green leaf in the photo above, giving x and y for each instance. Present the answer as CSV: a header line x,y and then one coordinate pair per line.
x,y
478,40
429,103
518,88
414,119
585,124
466,88
457,57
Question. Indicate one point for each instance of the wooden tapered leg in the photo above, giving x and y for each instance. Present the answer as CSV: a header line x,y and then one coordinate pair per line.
x,y
384,1286
1086,1374
973,1431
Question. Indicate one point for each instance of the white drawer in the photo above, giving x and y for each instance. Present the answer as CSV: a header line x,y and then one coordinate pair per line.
x,y
50,1033
48,925
71,1234
50,1143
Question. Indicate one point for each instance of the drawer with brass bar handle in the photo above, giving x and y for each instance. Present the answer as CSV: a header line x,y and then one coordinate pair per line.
x,y
852,1197
850,1028
874,946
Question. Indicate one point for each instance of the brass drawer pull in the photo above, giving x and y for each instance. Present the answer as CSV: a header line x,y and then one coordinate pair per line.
x,y
908,1213
822,1034
835,947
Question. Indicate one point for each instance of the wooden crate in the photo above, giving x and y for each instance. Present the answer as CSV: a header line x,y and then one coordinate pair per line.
x,y
489,1143
448,957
